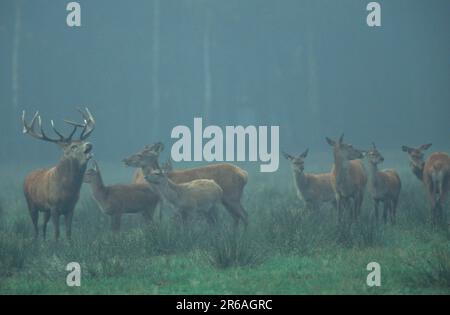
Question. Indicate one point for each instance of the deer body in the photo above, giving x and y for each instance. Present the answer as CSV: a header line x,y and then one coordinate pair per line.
x,y
435,175
200,195
116,200
313,189
348,177
230,178
55,191
384,186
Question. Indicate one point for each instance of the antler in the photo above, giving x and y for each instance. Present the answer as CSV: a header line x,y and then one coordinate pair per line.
x,y
88,127
30,129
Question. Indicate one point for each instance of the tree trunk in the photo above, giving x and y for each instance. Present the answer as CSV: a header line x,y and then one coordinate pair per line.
x,y
155,108
12,117
207,67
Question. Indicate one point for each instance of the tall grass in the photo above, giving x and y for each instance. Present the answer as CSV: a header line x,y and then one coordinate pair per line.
x,y
279,225
231,247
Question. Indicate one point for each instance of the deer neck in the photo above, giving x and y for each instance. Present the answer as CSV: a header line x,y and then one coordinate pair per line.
x,y
300,179
373,173
98,187
170,191
69,174
341,168
417,171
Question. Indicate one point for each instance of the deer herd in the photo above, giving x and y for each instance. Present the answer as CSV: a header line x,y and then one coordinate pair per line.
x,y
55,191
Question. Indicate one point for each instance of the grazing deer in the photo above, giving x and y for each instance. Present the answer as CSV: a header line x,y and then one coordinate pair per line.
x,y
230,178
200,195
55,191
384,185
116,200
435,175
314,189
348,178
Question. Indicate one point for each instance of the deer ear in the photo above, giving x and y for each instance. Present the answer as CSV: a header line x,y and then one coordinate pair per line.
x,y
330,142
406,149
304,154
158,147
374,146
287,156
341,138
425,146
364,153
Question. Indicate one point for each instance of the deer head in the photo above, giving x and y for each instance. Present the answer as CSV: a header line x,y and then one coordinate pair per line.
x,y
146,158
77,150
92,174
416,155
157,175
298,162
343,150
373,155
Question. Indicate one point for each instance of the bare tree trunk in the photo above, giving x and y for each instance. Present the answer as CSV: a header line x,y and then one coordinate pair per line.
x,y
313,84
155,77
15,56
207,66
15,68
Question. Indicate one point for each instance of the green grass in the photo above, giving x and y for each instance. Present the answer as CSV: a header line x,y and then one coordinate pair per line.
x,y
285,250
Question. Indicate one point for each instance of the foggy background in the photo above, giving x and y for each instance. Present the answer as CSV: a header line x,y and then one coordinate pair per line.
x,y
142,67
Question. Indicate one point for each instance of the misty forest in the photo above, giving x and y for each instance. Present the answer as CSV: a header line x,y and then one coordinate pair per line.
x,y
88,174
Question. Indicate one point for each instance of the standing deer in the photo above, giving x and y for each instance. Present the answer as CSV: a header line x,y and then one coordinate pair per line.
x,y
314,189
348,178
201,195
230,178
55,191
116,200
435,175
147,157
384,185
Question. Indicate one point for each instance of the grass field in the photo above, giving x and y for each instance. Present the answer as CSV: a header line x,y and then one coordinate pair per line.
x,y
285,250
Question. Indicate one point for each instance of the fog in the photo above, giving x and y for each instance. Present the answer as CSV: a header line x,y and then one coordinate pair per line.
x,y
314,68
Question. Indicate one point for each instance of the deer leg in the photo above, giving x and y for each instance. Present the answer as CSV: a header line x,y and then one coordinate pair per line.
x,y
68,224
55,221
211,215
339,209
376,204
394,210
432,199
44,226
35,219
160,210
147,215
385,210
358,204
115,222
237,212
355,207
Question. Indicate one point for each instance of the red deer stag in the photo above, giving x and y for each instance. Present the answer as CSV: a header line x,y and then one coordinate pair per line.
x,y
349,178
230,178
435,175
384,185
55,191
